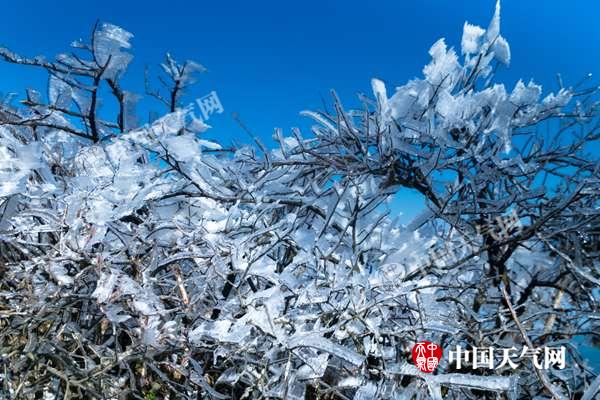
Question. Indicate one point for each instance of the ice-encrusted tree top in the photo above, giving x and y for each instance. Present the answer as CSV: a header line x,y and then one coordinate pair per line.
x,y
147,260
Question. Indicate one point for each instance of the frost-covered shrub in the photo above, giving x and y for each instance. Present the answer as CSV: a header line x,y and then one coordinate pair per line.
x,y
146,261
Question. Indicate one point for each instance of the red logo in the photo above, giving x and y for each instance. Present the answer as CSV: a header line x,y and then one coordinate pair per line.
x,y
426,356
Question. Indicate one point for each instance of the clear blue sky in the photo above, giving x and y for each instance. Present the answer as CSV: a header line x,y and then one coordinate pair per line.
x,y
268,60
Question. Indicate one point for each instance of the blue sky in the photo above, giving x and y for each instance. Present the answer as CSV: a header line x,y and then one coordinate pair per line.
x,y
270,59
